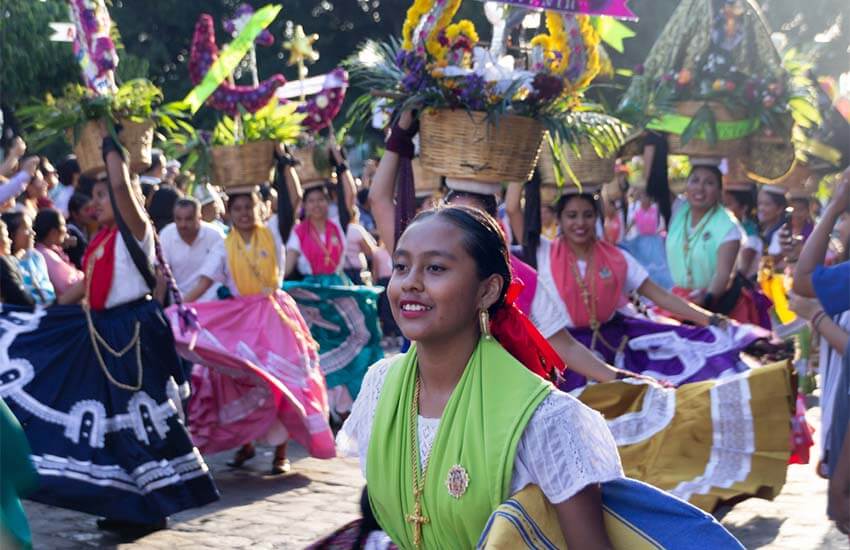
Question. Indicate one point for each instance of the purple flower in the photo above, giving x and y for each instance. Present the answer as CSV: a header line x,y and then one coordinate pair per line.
x,y
472,92
414,68
547,87
232,28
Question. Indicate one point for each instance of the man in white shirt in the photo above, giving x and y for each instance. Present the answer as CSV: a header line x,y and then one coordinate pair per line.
x,y
186,244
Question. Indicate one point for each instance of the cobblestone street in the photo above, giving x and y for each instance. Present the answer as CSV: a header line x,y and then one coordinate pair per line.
x,y
262,512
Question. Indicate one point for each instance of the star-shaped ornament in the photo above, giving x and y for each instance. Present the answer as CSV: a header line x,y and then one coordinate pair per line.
x,y
300,47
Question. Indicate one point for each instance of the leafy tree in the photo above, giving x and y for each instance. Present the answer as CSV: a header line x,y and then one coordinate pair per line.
x,y
30,64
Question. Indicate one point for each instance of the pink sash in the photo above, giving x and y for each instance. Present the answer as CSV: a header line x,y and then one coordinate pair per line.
x,y
525,273
605,278
324,255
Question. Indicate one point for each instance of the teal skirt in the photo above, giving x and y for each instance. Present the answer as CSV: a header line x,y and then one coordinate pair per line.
x,y
18,478
343,319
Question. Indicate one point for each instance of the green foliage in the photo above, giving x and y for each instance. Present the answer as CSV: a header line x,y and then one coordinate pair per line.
x,y
137,100
274,122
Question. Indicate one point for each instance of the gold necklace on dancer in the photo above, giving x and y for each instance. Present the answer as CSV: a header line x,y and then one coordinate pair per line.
x,y
252,258
588,297
693,236
314,233
417,519
97,340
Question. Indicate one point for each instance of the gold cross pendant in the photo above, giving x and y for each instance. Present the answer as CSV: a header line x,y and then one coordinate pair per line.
x,y
418,520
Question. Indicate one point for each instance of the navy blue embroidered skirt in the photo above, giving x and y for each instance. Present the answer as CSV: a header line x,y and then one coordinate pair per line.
x,y
100,448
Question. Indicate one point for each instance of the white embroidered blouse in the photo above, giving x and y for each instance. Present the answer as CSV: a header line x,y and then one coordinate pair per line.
x,y
566,445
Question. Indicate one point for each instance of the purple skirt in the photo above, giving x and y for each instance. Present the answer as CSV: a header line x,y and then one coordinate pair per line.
x,y
679,354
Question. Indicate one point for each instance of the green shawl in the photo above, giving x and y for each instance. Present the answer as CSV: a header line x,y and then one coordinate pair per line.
x,y
702,253
479,430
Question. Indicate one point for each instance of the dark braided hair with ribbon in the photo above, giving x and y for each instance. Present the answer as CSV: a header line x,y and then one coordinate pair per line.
x,y
485,242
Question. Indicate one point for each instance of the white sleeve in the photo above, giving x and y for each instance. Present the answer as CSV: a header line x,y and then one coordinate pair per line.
x,y
353,438
147,243
15,186
214,266
273,227
293,244
543,314
548,313
281,253
565,447
753,242
354,234
636,274
775,247
734,234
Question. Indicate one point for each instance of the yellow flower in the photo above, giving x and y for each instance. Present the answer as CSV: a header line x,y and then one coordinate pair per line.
x,y
417,10
446,15
464,27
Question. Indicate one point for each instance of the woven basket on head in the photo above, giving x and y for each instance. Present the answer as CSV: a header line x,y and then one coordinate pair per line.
x,y
307,169
136,137
769,157
462,145
424,180
87,148
587,166
241,165
700,148
549,193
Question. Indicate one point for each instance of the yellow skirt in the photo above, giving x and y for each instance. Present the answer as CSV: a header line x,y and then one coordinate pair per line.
x,y
706,442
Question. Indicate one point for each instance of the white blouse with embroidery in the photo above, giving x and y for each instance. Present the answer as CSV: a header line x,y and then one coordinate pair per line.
x,y
565,447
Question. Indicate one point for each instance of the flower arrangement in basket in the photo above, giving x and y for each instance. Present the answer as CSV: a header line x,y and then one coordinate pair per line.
x,y
239,151
130,114
130,111
485,109
715,82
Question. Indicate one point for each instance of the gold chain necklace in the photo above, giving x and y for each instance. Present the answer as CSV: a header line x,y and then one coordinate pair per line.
x,y
314,234
689,270
97,339
589,299
416,518
586,295
254,254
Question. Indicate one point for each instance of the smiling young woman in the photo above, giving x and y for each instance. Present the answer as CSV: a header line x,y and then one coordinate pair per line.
x,y
702,250
451,275
446,432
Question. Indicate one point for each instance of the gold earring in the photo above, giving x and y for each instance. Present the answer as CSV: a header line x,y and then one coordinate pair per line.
x,y
484,321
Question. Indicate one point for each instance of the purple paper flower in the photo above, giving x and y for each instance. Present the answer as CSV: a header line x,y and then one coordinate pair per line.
x,y
240,18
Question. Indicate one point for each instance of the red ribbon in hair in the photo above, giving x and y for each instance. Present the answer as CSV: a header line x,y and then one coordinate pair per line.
x,y
517,334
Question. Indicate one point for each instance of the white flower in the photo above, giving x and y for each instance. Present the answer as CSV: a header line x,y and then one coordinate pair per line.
x,y
501,72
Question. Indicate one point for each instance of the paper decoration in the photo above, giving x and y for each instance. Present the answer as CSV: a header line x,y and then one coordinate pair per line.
x,y
93,48
209,68
612,8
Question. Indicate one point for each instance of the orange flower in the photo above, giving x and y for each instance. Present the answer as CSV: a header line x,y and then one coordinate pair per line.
x,y
684,77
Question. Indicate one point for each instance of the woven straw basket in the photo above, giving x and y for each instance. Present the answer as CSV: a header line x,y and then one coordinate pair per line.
x,y
87,148
242,165
462,145
136,137
423,179
588,167
700,148
307,171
